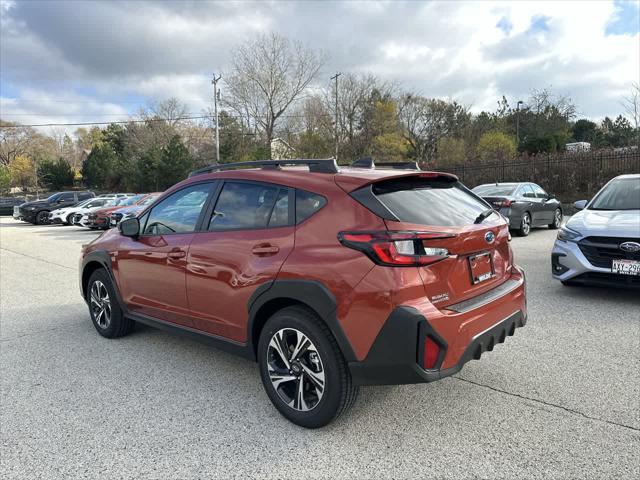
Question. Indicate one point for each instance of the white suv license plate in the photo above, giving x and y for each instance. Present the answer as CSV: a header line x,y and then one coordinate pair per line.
x,y
626,267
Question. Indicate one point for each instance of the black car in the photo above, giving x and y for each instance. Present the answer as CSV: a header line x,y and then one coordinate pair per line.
x,y
7,204
526,205
38,211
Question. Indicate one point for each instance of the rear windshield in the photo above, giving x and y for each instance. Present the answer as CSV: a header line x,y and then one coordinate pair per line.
x,y
494,190
430,202
623,194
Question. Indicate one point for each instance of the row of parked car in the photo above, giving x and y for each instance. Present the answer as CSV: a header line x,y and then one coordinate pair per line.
x,y
83,209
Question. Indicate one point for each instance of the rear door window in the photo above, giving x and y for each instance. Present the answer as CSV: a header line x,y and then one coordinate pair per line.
x,y
430,202
248,206
527,191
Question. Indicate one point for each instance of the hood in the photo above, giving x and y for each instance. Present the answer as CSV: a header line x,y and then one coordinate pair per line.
x,y
130,209
35,203
609,223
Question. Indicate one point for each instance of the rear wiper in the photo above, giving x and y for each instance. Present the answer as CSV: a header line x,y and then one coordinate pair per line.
x,y
484,215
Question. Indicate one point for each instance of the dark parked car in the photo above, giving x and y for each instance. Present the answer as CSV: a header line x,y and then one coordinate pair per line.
x,y
7,204
328,277
526,205
38,211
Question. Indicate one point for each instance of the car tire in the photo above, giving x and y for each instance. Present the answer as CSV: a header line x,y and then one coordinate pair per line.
x,y
106,314
525,225
557,220
70,219
320,363
42,218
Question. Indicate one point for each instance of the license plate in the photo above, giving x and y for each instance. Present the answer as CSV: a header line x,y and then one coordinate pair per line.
x,y
481,266
626,267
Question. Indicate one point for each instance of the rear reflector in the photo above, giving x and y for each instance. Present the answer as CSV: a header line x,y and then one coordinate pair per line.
x,y
431,353
396,248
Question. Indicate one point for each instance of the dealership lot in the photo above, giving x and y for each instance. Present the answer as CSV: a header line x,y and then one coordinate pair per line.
x,y
559,399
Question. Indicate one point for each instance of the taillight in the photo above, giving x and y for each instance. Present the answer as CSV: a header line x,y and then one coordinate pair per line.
x,y
431,353
397,248
502,203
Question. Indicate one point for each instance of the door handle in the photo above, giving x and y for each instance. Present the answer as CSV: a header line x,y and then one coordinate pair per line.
x,y
265,249
176,254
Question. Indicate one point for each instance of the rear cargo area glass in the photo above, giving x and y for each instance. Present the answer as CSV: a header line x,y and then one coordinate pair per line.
x,y
430,202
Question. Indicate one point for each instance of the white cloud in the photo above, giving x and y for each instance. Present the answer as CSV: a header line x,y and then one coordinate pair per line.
x,y
149,49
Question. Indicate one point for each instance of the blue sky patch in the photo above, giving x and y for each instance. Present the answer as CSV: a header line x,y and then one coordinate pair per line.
x,y
626,19
505,25
539,23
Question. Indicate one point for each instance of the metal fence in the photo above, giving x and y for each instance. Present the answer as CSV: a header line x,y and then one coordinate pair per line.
x,y
571,176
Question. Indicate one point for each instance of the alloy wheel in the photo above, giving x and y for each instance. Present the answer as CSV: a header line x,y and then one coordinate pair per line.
x,y
526,224
295,369
557,218
100,304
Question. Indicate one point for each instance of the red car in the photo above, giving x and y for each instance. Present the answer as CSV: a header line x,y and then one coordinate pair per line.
x,y
101,218
329,277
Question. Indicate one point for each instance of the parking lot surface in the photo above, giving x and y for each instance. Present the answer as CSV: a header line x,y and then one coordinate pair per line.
x,y
560,399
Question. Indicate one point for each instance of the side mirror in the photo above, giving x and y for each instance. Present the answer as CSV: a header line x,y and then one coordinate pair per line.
x,y
130,227
550,196
580,204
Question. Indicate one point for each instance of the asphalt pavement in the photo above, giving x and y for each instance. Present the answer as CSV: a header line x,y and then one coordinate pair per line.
x,y
560,399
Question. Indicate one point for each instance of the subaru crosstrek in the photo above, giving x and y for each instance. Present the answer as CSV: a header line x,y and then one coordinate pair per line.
x,y
600,245
329,277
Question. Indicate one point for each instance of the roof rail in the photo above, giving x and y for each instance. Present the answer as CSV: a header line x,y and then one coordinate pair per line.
x,y
316,165
367,162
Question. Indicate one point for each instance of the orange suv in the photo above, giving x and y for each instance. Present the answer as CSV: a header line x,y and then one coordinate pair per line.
x,y
329,277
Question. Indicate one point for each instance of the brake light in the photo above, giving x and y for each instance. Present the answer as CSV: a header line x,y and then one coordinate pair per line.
x,y
431,353
502,203
397,248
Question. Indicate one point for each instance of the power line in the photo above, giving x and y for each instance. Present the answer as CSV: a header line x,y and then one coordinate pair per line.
x,y
83,124
155,119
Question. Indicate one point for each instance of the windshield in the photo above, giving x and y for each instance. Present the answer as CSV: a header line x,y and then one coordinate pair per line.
x,y
130,200
494,190
84,202
54,197
622,194
148,200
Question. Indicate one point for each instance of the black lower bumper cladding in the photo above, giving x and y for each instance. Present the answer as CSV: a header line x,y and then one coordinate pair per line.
x,y
394,357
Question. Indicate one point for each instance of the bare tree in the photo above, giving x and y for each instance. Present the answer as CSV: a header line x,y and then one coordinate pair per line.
x,y
631,104
425,121
268,74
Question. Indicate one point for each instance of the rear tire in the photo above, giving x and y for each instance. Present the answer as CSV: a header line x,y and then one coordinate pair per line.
x,y
311,386
557,220
525,225
106,314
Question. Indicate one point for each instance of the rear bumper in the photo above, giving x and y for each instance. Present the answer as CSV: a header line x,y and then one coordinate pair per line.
x,y
396,354
391,362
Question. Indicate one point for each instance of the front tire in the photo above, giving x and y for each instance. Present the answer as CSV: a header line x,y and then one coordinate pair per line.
x,y
557,220
105,311
42,218
302,368
525,225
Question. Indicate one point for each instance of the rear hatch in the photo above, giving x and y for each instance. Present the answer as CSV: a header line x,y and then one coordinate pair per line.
x,y
468,240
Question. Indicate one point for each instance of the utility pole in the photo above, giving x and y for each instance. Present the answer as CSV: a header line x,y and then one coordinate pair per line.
x,y
214,81
335,77
520,102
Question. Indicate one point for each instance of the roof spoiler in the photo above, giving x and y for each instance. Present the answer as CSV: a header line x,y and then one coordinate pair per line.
x,y
316,165
367,162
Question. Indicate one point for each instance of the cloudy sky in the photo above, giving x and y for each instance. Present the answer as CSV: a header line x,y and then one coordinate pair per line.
x,y
83,61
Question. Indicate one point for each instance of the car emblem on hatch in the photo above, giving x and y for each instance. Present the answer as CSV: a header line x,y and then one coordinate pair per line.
x,y
489,237
631,247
